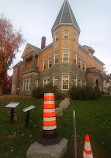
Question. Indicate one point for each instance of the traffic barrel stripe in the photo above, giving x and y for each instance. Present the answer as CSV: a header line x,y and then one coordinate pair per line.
x,y
49,106
49,110
48,128
48,96
49,123
49,114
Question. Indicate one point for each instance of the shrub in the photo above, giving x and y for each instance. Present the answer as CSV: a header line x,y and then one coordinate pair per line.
x,y
83,93
39,92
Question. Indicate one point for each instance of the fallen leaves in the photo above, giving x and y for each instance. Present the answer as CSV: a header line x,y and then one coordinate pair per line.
x,y
12,135
30,136
22,134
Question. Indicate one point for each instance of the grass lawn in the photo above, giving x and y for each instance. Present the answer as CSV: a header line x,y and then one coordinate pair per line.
x,y
92,117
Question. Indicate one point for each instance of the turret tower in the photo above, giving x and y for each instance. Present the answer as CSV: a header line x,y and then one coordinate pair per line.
x,y
65,32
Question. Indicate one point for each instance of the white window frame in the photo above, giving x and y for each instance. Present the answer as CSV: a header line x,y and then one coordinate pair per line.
x,y
80,83
66,34
84,83
23,86
49,60
75,80
44,62
56,52
65,51
54,80
46,82
29,82
63,80
75,57
36,84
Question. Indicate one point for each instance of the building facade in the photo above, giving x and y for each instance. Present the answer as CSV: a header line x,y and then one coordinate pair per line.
x,y
109,84
63,63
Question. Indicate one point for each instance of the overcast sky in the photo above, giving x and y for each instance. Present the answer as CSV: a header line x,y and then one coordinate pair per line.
x,y
36,18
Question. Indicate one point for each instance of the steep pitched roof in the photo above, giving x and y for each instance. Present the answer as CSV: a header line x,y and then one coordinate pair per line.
x,y
88,48
66,16
33,47
29,49
98,60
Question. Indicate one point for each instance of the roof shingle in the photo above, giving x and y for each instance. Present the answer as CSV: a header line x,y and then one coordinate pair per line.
x,y
66,16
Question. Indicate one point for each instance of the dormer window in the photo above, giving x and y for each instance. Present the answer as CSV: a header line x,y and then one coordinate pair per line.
x,y
66,34
56,37
75,37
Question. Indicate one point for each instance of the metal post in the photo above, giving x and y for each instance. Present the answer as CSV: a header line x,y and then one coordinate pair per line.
x,y
75,141
27,118
12,114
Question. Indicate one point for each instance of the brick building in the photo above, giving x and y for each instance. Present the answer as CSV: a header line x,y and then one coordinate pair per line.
x,y
63,63
109,84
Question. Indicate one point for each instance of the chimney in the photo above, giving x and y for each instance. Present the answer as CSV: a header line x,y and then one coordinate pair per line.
x,y
43,42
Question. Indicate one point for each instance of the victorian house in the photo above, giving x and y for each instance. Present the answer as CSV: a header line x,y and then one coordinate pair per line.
x,y
64,62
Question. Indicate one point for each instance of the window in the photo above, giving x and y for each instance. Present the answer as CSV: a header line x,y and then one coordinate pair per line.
x,y
26,85
75,57
80,83
46,81
75,81
66,34
79,63
55,81
56,37
56,57
65,56
75,37
23,85
44,64
84,83
84,65
65,82
50,62
29,87
36,83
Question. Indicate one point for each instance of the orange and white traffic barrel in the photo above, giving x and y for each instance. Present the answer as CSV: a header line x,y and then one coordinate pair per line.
x,y
87,153
49,116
